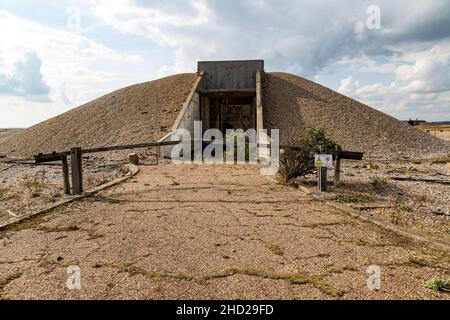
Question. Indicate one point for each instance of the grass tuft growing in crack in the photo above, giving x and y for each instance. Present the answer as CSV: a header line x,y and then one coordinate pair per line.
x,y
58,228
275,249
439,284
293,278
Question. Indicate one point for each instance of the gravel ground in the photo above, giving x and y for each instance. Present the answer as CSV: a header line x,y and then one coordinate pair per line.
x,y
7,132
202,232
28,188
292,104
369,187
445,135
139,113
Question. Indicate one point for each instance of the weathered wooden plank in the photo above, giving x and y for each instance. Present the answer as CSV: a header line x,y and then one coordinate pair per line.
x,y
337,171
363,207
77,176
349,155
439,181
322,183
50,157
322,174
56,156
130,146
65,171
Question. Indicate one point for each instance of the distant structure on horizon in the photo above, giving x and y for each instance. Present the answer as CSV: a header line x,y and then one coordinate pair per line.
x,y
415,122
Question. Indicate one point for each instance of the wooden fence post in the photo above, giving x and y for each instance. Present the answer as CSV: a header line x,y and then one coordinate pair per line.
x,y
323,179
65,170
337,171
322,175
77,176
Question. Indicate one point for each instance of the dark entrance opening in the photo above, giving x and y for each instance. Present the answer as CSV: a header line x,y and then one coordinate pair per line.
x,y
228,111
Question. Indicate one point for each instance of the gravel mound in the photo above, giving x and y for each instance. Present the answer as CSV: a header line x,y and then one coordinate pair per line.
x,y
135,114
146,112
292,104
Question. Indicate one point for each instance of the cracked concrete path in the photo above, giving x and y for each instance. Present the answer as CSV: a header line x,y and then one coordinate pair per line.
x,y
210,232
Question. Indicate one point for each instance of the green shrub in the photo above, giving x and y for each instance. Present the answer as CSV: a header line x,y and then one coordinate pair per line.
x,y
395,218
438,284
405,209
235,137
298,163
318,137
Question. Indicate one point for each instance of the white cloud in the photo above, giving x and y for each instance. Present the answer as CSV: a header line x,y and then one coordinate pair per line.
x,y
161,22
428,71
233,30
26,79
421,85
348,86
290,35
74,69
309,37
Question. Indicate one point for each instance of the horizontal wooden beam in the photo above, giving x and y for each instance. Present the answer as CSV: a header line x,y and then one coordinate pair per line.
x,y
439,181
56,156
130,146
349,155
51,157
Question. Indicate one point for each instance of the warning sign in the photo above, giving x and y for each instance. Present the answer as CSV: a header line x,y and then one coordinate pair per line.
x,y
323,160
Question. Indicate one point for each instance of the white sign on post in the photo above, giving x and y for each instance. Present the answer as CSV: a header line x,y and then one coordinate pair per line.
x,y
323,160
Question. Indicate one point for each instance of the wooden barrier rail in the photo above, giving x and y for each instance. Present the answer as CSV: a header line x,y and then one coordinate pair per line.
x,y
76,161
338,156
77,152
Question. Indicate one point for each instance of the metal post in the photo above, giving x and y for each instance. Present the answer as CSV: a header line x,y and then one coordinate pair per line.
x,y
77,177
65,170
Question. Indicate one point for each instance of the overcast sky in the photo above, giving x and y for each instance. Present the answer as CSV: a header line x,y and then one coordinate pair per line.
x,y
56,55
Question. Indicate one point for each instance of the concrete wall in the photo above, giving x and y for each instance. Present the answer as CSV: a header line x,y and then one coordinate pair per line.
x,y
229,75
263,152
191,114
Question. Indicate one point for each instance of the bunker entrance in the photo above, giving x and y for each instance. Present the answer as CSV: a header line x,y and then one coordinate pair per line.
x,y
228,94
228,111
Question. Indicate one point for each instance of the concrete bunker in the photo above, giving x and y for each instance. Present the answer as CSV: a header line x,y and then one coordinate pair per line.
x,y
226,95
